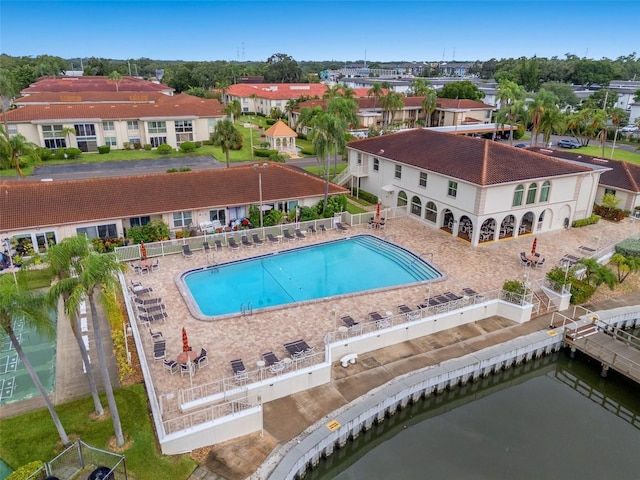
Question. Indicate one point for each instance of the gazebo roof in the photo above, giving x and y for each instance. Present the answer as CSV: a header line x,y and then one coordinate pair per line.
x,y
280,129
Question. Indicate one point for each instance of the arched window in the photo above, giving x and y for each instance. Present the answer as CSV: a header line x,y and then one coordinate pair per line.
x,y
402,199
517,196
544,191
430,212
416,206
531,193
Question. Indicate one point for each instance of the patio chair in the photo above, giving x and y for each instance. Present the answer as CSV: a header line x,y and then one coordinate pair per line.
x,y
540,263
239,371
201,360
375,316
339,226
470,292
299,234
218,244
232,244
272,239
186,251
206,247
170,365
155,266
349,321
270,358
288,235
186,368
408,312
155,336
294,348
323,229
159,350
256,239
312,229
245,242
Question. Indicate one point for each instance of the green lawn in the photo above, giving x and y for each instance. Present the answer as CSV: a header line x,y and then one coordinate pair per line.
x,y
33,436
619,154
317,170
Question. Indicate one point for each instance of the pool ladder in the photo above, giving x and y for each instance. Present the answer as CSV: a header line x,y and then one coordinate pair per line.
x,y
246,311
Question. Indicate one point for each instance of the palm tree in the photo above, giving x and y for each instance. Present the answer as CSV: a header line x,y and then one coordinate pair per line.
x,y
227,137
116,77
233,109
391,103
17,303
7,92
511,97
429,104
596,274
420,87
345,109
376,91
96,275
617,115
14,147
327,131
552,121
542,101
62,258
67,132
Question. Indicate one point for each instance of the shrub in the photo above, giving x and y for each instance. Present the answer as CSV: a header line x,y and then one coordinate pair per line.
x,y
172,170
302,136
629,247
44,154
557,277
198,144
73,152
264,152
164,149
608,213
137,146
514,286
102,149
184,169
307,213
277,157
187,147
587,221
369,197
581,291
126,145
236,147
25,471
307,151
154,231
147,146
270,121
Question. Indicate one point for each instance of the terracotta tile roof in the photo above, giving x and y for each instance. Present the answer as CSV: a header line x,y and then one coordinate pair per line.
x,y
461,104
277,91
89,97
95,84
623,175
280,129
26,204
473,160
165,106
365,103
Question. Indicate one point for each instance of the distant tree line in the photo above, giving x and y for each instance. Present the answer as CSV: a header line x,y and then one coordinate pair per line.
x,y
200,78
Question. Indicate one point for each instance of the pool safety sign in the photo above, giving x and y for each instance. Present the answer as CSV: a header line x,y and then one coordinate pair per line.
x,y
333,425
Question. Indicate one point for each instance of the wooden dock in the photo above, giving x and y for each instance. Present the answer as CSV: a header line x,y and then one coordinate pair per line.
x,y
614,348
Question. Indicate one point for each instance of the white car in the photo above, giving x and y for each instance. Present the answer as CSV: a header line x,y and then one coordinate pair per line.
x,y
629,128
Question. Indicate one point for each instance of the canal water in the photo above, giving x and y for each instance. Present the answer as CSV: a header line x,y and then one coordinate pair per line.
x,y
552,418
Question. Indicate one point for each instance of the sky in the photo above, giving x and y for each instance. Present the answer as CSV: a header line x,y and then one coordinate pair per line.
x,y
372,30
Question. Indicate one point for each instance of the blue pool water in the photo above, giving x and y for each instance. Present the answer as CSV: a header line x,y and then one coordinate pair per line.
x,y
319,271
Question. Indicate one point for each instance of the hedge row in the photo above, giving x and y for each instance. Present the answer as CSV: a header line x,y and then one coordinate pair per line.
x,y
587,221
369,197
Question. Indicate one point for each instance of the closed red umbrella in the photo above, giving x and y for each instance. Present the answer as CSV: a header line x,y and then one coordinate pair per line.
x,y
143,251
533,247
185,341
378,210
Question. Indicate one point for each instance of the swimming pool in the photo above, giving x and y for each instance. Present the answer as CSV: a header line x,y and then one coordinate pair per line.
x,y
303,274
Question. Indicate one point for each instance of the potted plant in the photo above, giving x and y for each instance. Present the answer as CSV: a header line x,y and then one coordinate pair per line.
x,y
17,260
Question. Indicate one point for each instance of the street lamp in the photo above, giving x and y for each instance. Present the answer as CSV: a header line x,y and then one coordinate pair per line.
x,y
257,167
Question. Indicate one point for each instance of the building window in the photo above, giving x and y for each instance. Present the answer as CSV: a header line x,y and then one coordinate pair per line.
x,y
416,206
53,137
157,127
452,190
12,129
139,221
184,126
157,141
376,164
99,231
517,196
544,191
218,215
423,180
531,193
609,191
359,159
402,199
182,219
111,141
108,126
132,125
86,137
430,212
398,171
134,140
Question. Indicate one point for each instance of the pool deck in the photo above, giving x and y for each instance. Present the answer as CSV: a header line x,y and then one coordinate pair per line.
x,y
483,268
